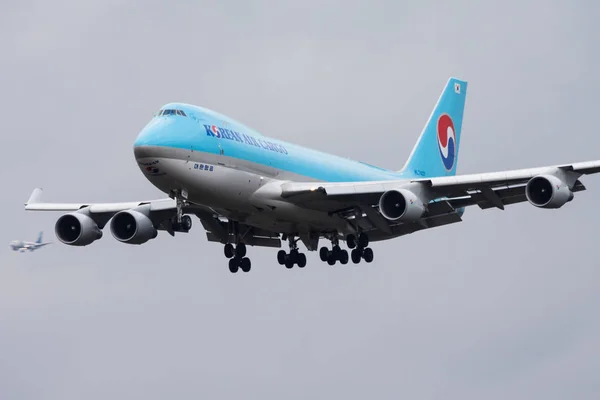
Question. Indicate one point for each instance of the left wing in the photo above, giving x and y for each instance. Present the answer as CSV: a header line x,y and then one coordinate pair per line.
x,y
147,216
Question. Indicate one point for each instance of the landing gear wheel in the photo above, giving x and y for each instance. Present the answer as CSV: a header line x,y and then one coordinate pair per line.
x,y
351,241
324,253
229,250
331,259
245,264
186,223
281,254
233,265
343,257
240,250
336,252
368,254
289,262
363,240
356,256
301,260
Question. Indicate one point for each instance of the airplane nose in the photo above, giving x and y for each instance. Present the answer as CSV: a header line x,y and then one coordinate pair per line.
x,y
153,134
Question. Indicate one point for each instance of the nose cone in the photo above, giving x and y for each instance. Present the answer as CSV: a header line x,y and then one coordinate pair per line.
x,y
153,134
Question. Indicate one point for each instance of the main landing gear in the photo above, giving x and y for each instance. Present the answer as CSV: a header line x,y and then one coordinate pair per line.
x,y
294,256
358,246
237,259
335,254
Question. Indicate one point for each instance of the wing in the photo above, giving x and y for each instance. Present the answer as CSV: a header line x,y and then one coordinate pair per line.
x,y
162,213
444,196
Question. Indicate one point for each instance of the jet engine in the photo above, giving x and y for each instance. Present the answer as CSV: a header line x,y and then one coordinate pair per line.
x,y
77,229
132,227
547,191
401,204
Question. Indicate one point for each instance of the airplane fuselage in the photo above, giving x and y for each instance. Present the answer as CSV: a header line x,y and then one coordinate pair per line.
x,y
225,165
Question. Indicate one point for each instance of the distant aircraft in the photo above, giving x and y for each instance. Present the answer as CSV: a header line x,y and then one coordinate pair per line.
x,y
21,246
248,189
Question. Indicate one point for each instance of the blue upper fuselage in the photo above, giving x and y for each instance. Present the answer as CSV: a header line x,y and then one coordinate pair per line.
x,y
185,126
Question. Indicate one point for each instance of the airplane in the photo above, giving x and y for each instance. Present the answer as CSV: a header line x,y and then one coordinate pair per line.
x,y
252,190
21,246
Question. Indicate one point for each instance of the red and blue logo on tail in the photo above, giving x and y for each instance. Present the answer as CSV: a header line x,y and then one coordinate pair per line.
x,y
446,140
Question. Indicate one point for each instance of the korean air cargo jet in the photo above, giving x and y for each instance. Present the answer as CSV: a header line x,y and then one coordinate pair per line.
x,y
251,190
21,246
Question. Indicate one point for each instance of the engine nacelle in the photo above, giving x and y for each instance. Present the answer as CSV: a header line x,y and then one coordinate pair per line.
x,y
547,191
132,227
77,229
401,204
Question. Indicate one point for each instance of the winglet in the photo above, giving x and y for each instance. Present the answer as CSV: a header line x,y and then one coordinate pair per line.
x,y
35,197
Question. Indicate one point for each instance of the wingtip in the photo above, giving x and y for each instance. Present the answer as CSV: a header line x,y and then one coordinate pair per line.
x,y
35,196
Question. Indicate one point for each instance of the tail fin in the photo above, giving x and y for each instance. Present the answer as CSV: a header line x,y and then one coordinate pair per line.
x,y
40,236
436,151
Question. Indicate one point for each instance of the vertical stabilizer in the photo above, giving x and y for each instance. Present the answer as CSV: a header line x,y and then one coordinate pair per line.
x,y
436,150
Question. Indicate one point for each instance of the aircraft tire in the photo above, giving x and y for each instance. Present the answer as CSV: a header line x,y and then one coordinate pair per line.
x,y
233,265
245,264
368,254
363,240
281,257
351,241
240,250
343,257
301,260
186,223
228,250
324,253
356,256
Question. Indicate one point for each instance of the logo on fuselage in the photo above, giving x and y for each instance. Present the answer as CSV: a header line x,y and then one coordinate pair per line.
x,y
150,167
229,134
446,139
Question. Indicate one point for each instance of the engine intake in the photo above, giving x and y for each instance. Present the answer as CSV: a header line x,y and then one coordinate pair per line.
x,y
132,227
547,191
401,204
77,229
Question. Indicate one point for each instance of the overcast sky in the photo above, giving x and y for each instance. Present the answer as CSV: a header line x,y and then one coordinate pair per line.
x,y
502,305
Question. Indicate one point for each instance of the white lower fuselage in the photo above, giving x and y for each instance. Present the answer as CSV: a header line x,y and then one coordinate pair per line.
x,y
238,189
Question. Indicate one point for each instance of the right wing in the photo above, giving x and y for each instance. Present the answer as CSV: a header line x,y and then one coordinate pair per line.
x,y
443,196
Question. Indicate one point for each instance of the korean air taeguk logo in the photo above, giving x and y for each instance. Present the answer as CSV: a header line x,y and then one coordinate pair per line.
x,y
446,139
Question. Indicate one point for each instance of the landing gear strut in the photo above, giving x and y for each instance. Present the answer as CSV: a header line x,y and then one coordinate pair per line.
x,y
180,223
294,256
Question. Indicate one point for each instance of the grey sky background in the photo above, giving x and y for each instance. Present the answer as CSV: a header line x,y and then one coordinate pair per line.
x,y
503,305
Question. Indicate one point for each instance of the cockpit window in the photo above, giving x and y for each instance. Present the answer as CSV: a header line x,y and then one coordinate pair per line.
x,y
171,112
